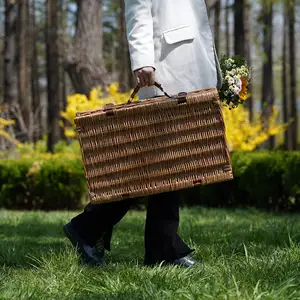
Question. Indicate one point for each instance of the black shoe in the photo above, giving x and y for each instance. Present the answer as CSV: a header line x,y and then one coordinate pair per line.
x,y
183,262
90,255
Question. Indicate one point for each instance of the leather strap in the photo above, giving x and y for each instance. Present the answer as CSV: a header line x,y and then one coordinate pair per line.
x,y
137,88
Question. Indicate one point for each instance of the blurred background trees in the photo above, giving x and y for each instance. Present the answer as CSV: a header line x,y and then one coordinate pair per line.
x,y
51,49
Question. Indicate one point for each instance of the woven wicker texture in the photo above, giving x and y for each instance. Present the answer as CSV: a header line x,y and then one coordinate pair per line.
x,y
153,146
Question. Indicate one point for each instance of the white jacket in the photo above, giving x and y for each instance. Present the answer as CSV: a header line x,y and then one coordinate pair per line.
x,y
174,37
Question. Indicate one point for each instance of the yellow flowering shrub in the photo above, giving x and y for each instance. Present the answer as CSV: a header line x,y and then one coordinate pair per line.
x,y
78,102
242,135
3,133
39,150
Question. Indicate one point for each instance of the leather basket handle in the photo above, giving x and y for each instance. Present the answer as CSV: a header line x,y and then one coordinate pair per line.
x,y
137,88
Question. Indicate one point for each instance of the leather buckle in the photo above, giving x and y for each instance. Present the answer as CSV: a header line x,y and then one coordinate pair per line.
x,y
109,109
181,97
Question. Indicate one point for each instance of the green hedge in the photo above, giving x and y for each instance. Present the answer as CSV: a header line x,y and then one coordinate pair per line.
x,y
268,180
45,184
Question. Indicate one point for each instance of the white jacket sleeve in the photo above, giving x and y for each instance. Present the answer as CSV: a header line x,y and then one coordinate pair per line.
x,y
139,25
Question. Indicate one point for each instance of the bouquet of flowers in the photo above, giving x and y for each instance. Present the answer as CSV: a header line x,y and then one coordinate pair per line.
x,y
236,78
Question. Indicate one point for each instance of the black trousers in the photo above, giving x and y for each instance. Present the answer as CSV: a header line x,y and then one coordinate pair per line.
x,y
162,243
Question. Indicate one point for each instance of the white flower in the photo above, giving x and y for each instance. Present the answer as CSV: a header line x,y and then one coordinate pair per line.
x,y
238,83
237,90
230,80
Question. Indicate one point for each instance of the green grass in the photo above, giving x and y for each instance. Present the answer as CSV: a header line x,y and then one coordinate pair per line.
x,y
242,255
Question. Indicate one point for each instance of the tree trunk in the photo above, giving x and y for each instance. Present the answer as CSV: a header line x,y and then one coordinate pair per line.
x,y
239,28
131,76
242,38
123,78
267,84
10,66
227,28
217,25
293,102
63,102
114,62
62,21
52,75
85,64
247,50
211,3
10,54
284,76
24,99
35,89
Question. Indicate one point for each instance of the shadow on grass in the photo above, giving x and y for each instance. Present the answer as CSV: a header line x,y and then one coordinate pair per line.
x,y
32,229
19,253
132,295
211,232
231,232
34,237
30,237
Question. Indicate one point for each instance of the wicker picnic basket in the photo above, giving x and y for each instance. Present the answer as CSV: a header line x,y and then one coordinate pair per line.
x,y
152,146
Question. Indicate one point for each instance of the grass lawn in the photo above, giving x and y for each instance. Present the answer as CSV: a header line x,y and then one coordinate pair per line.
x,y
242,255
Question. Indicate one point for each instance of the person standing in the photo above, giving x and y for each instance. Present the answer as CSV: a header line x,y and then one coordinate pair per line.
x,y
170,41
